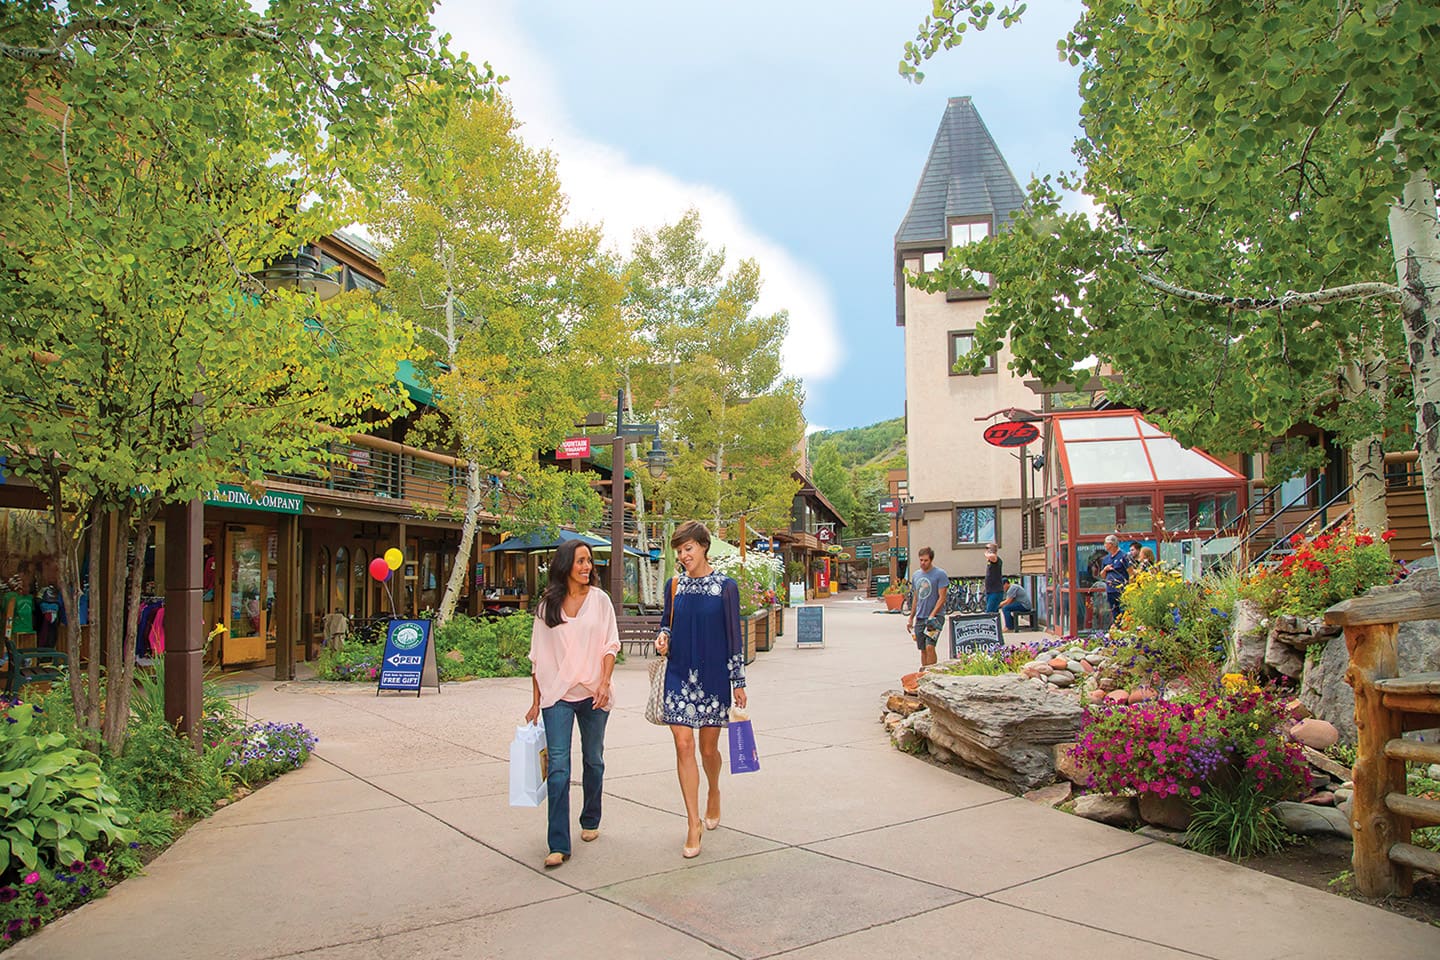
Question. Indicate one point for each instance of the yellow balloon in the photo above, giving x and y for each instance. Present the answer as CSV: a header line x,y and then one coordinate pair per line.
x,y
393,558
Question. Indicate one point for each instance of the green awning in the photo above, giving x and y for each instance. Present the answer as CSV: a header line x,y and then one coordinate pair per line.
x,y
410,378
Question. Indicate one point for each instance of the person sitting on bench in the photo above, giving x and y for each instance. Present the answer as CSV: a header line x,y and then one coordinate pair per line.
x,y
1017,601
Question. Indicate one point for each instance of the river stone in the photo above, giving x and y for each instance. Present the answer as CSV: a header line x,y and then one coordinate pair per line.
x,y
1316,734
1308,820
1061,678
1066,763
1073,666
1116,811
1323,688
1051,796
1003,725
1171,812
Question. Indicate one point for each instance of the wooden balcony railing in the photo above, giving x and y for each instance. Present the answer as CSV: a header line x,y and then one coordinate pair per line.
x,y
366,466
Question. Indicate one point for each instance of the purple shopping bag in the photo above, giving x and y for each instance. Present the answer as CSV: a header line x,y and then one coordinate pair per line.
x,y
743,758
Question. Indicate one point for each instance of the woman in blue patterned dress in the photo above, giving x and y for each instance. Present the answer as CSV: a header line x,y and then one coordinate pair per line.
x,y
700,634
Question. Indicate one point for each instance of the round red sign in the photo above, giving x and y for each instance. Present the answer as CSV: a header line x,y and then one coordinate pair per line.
x,y
1011,433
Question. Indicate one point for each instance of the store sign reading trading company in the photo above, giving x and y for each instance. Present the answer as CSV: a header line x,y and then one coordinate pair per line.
x,y
229,495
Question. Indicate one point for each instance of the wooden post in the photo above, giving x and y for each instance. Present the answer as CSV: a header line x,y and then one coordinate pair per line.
x,y
744,535
1374,656
184,629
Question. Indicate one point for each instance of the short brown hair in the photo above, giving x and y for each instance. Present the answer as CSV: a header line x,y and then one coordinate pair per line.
x,y
927,552
692,530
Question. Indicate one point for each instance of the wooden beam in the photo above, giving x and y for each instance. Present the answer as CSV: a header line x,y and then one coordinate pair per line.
x,y
1374,656
1400,604
1415,808
1413,751
1412,683
1412,704
1416,858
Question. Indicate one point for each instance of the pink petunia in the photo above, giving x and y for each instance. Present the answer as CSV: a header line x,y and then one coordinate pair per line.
x,y
32,877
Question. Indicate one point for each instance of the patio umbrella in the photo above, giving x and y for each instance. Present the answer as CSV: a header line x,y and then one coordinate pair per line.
x,y
538,542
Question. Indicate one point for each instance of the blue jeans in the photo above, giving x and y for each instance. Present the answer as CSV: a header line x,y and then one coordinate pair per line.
x,y
559,725
992,602
1011,612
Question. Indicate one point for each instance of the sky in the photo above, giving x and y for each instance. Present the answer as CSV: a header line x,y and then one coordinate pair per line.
x,y
787,125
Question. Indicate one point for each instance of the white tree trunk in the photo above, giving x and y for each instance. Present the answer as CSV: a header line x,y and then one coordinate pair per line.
x,y
1359,378
460,568
1415,236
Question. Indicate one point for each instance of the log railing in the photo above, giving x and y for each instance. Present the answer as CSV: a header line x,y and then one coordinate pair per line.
x,y
1387,705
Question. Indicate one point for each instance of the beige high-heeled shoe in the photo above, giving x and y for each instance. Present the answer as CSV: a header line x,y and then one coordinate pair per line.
x,y
689,852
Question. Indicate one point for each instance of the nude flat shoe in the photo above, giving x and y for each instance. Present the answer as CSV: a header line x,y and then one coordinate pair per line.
x,y
555,859
588,835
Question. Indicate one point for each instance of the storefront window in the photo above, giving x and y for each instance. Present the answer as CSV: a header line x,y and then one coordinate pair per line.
x,y
359,580
342,581
429,580
245,583
322,581
272,556
1128,516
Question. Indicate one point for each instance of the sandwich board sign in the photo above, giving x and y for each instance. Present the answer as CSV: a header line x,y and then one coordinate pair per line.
x,y
810,626
974,632
409,659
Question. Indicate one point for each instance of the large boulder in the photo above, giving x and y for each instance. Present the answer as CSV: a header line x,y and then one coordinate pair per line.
x,y
1005,725
1323,688
1283,658
1248,631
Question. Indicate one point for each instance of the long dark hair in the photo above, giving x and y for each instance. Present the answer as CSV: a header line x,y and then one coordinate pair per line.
x,y
560,567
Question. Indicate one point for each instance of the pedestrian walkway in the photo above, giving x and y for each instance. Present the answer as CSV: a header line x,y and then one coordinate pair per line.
x,y
397,841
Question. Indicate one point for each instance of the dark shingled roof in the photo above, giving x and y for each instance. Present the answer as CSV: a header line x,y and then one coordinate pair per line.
x,y
965,176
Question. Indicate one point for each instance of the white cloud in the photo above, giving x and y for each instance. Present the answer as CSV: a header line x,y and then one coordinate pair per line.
x,y
607,186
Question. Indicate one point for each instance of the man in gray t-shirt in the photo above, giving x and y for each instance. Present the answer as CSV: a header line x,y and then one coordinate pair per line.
x,y
928,586
1017,600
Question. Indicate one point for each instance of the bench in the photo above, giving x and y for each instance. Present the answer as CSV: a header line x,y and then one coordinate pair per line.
x,y
638,630
32,665
1028,617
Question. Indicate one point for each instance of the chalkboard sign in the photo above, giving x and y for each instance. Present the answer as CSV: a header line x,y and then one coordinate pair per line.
x,y
974,632
810,626
409,658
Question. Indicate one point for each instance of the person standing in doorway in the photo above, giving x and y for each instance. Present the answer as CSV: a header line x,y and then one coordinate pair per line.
x,y
572,649
928,586
1116,570
994,578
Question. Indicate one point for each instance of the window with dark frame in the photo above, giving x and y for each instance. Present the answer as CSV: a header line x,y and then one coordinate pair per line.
x,y
977,525
961,343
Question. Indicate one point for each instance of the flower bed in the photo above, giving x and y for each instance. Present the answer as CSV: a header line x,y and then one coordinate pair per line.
x,y
82,821
1225,751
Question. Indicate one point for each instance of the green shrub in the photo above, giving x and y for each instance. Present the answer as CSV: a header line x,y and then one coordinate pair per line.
x,y
55,803
487,648
159,770
155,828
353,661
1237,821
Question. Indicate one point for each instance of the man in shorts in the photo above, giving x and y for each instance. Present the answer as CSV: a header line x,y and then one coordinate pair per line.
x,y
928,586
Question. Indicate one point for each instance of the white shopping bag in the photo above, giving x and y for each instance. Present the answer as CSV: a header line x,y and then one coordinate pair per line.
x,y
527,765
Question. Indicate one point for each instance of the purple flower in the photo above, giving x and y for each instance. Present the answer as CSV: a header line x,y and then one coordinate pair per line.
x,y
84,890
41,898
8,893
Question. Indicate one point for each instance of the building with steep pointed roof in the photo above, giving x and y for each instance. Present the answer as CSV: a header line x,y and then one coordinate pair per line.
x,y
965,492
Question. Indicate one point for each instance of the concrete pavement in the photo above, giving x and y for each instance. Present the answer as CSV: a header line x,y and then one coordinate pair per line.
x,y
397,841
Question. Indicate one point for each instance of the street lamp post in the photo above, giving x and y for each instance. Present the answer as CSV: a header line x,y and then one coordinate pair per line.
x,y
656,458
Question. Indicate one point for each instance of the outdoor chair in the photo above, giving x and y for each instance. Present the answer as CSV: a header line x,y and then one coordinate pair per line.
x,y
32,665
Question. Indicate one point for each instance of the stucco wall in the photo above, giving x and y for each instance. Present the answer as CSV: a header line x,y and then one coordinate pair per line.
x,y
949,460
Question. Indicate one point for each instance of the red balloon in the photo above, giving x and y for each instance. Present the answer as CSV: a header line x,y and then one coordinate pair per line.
x,y
379,569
